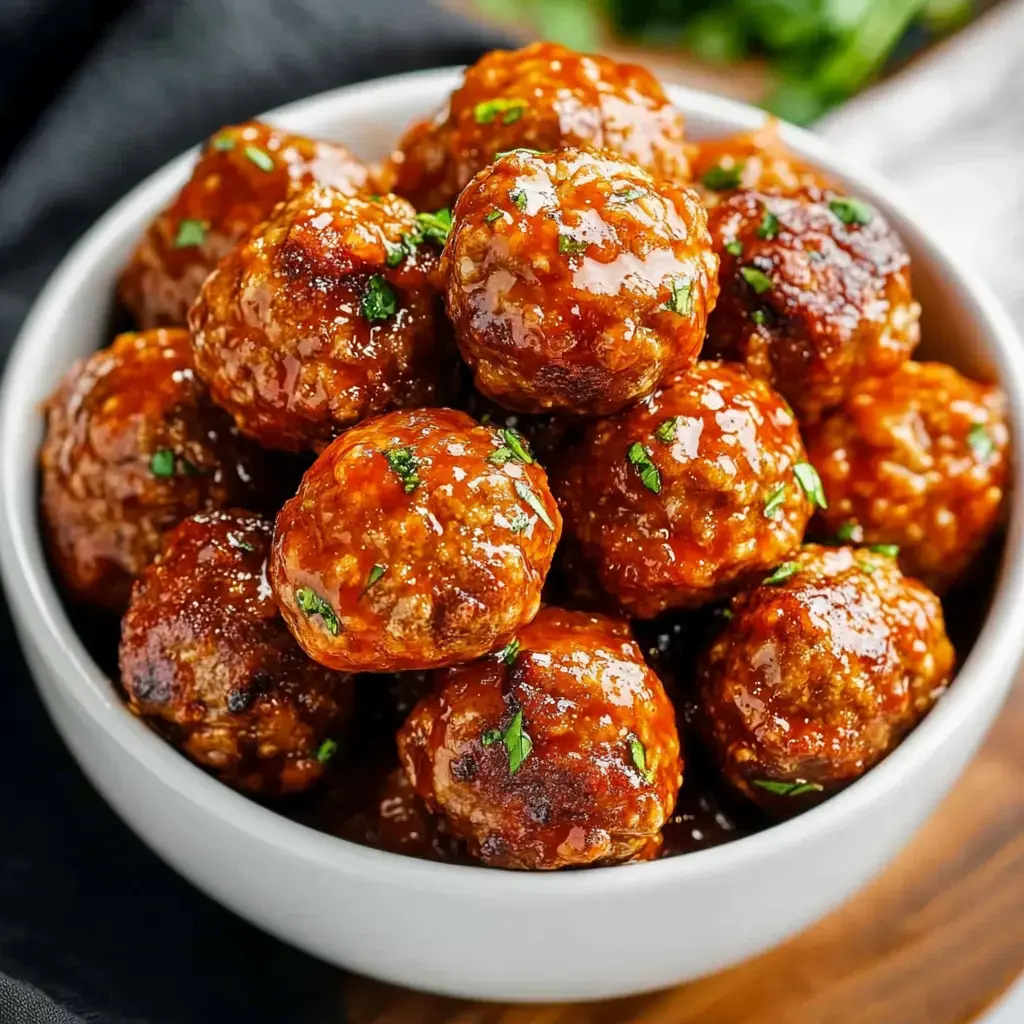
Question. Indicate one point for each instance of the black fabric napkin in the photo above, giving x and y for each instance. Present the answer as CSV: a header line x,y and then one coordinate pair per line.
x,y
94,95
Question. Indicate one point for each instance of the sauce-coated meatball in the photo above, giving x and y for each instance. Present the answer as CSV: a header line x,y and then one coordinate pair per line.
x,y
815,294
417,540
682,499
819,673
576,281
242,173
541,97
918,459
326,314
206,656
754,161
134,445
559,751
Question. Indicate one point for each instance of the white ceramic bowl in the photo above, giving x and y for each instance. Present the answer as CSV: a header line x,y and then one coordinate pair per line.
x,y
468,931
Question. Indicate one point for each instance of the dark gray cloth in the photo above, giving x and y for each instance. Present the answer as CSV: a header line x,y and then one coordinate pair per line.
x,y
94,95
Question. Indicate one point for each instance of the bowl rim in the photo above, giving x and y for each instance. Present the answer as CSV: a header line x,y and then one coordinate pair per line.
x,y
986,674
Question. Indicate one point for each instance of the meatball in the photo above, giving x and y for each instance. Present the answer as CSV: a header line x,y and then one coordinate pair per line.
x,y
417,540
560,750
920,460
542,97
243,171
576,282
133,445
206,657
820,671
751,161
325,315
683,499
815,294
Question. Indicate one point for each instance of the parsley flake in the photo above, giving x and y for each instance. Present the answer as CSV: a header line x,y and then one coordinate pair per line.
x,y
734,248
682,296
980,441
327,750
759,317
493,216
889,550
516,740
769,226
866,567
518,197
311,603
851,211
534,502
514,448
490,737
375,574
848,532
640,459
433,227
782,573
378,301
260,157
190,232
508,654
639,756
566,243
404,465
807,477
239,543
511,109
396,252
757,279
774,502
788,788
666,432
721,179
162,463
223,143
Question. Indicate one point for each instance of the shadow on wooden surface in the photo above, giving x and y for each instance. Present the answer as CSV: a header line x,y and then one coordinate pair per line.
x,y
933,941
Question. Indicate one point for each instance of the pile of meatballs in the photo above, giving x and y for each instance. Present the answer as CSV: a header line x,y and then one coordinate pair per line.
x,y
451,427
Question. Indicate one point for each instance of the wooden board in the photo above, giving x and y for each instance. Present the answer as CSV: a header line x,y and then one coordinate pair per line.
x,y
933,941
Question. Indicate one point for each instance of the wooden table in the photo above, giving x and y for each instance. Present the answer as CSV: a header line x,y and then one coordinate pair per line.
x,y
933,941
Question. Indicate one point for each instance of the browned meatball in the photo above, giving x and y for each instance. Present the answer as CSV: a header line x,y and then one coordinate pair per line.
x,y
418,539
919,460
133,445
243,171
820,672
576,281
753,161
207,658
815,294
559,751
323,316
543,97
683,499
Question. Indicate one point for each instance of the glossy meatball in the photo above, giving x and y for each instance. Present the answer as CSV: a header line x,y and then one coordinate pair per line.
x,y
683,499
576,281
418,539
559,751
323,316
542,97
133,445
752,161
815,294
207,658
243,171
819,673
919,459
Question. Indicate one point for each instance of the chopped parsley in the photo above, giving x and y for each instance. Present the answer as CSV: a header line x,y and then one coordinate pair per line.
x,y
848,532
190,232
515,738
378,301
782,573
566,243
639,755
237,542
788,788
534,502
628,195
640,459
774,502
311,603
511,109
757,279
721,179
162,463
759,317
980,441
375,574
865,566
807,477
508,654
518,197
404,465
432,227
666,432
223,143
681,301
889,550
490,737
514,448
769,226
851,211
493,216
327,750
734,248
260,157
396,252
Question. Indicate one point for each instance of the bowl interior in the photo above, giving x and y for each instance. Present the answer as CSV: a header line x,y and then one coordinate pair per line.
x,y
961,324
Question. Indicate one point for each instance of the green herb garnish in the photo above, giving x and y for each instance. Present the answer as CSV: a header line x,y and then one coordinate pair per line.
x,y
162,463
517,149
491,736
851,211
488,110
681,301
433,227
223,143
774,502
327,750
640,459
508,654
889,550
848,532
493,216
379,301
396,252
639,755
666,432
534,502
404,465
759,317
721,179
980,441
518,197
757,279
311,603
516,740
734,248
375,574
260,157
769,226
866,567
514,448
782,573
190,232
566,243
788,788
807,477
